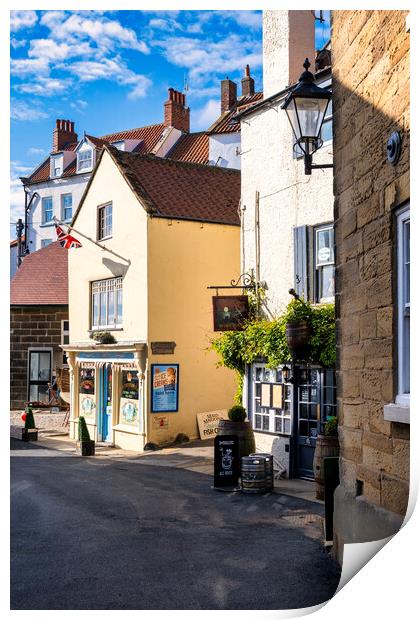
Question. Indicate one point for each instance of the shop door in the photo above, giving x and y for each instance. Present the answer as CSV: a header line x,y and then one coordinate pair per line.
x,y
39,375
315,404
106,402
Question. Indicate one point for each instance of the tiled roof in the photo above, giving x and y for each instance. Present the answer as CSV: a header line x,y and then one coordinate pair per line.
x,y
222,125
42,279
149,135
174,189
193,147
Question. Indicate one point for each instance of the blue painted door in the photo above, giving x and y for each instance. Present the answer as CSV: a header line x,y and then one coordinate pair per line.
x,y
106,402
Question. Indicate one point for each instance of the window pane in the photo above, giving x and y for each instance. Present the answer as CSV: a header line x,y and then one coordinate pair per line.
x,y
130,384
67,203
326,131
119,306
111,313
47,209
44,367
325,246
96,309
102,309
325,282
87,381
34,366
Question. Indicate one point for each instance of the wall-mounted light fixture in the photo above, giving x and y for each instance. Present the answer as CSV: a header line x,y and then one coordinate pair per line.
x,y
305,106
286,373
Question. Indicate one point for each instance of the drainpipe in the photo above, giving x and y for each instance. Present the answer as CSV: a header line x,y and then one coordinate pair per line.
x,y
28,206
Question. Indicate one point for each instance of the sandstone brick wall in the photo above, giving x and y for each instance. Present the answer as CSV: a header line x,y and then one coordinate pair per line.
x,y
370,52
32,327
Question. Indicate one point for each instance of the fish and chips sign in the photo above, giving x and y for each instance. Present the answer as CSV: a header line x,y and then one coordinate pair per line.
x,y
209,421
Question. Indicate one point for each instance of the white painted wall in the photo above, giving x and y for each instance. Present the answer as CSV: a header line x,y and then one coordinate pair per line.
x,y
226,146
55,188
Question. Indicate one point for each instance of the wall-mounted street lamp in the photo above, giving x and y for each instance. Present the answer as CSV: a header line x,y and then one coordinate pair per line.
x,y
305,106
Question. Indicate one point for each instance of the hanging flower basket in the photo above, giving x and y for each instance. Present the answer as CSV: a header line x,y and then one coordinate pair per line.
x,y
298,334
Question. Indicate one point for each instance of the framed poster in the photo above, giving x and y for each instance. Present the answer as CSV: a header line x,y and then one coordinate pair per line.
x,y
229,312
130,384
165,387
265,395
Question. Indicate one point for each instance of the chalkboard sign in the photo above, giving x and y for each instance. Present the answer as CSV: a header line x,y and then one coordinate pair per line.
x,y
226,461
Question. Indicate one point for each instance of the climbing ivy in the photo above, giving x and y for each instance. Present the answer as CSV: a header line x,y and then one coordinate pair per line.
x,y
266,339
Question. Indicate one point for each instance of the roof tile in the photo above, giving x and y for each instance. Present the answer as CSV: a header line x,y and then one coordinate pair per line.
x,y
42,279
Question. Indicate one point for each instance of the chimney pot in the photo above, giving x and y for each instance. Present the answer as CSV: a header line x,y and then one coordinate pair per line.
x,y
247,83
228,94
62,134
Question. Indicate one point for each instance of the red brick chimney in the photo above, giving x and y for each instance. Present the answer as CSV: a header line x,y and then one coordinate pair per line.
x,y
176,113
62,134
228,94
248,84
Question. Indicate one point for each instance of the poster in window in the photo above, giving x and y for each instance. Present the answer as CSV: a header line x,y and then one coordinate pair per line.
x,y
230,312
278,396
265,395
87,381
165,387
130,384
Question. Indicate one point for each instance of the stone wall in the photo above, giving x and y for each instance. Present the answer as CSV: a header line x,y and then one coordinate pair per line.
x,y
370,55
32,327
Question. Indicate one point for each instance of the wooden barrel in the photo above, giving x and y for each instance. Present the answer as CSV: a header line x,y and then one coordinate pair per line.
x,y
253,477
326,445
269,473
244,433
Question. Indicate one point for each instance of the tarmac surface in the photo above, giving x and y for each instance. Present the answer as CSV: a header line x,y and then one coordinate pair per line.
x,y
119,531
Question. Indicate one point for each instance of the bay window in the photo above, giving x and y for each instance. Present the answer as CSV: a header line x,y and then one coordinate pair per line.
x,y
107,304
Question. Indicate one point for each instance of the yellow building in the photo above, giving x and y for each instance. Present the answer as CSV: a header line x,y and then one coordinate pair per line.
x,y
170,229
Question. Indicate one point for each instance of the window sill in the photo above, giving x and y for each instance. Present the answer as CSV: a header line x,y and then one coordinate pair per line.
x,y
105,238
397,413
47,224
95,330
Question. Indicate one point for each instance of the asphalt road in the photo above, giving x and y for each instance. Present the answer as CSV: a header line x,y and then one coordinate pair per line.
x,y
120,533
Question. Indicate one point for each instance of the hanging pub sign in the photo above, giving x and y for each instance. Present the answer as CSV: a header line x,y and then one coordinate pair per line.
x,y
226,461
165,387
230,312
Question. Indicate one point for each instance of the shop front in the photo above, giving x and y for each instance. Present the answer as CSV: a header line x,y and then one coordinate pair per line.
x,y
288,416
108,389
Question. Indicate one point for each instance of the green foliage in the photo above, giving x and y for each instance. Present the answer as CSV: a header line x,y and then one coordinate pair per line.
x,y
29,421
331,427
104,337
266,339
237,413
83,430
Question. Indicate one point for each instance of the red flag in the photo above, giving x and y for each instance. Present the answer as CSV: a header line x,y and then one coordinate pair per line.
x,y
66,240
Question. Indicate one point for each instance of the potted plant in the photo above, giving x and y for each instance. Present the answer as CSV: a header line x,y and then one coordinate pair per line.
x,y
239,426
104,338
29,431
326,445
86,444
298,326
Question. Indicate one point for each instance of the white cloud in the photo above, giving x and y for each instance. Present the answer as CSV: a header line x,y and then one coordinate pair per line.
x,y
17,195
140,90
164,24
206,59
204,117
79,104
22,19
22,111
49,50
45,86
35,151
29,66
15,43
250,19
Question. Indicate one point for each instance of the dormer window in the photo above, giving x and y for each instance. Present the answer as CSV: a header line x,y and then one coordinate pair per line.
x,y
120,145
84,160
56,166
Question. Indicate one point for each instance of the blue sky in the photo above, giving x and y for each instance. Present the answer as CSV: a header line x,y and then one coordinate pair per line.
x,y
110,70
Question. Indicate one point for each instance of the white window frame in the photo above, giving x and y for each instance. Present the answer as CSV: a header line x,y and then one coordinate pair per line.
x,y
111,285
403,308
43,201
318,266
107,233
81,159
63,208
272,415
56,169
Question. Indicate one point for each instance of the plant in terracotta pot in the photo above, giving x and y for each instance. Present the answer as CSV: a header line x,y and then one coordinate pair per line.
x,y
29,431
86,444
239,426
326,445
